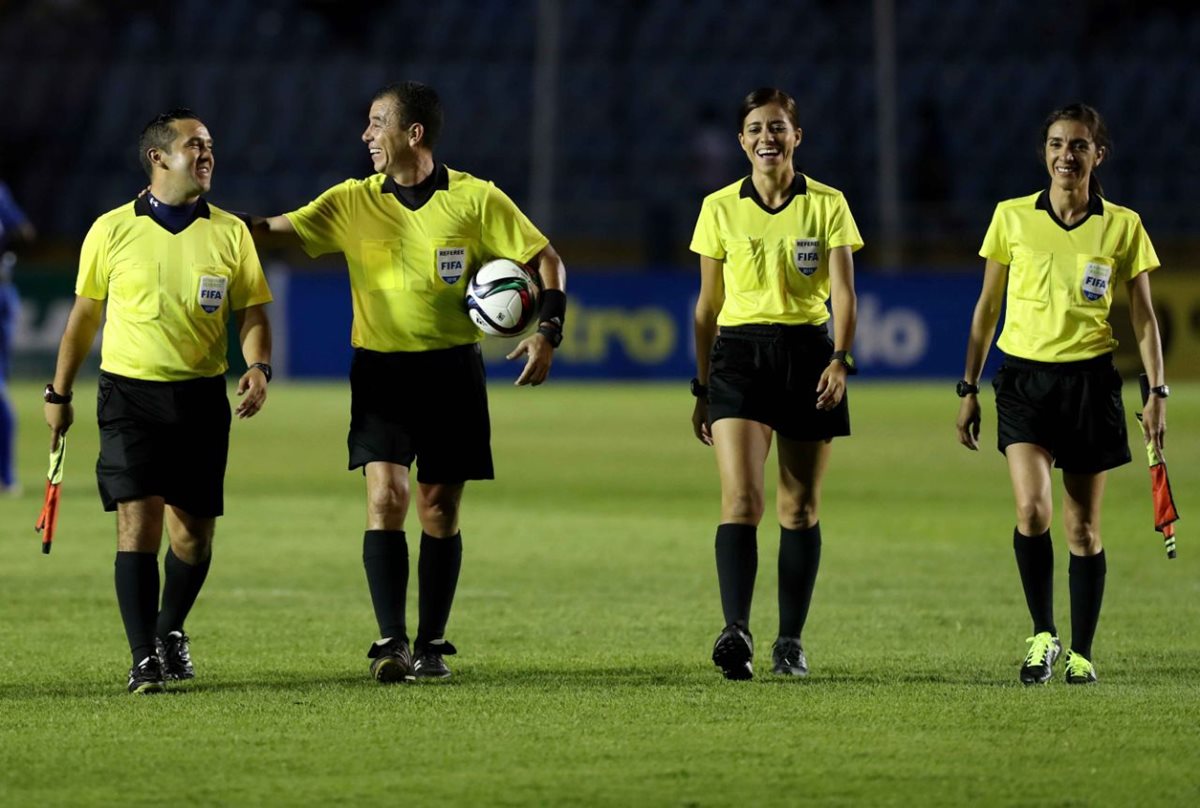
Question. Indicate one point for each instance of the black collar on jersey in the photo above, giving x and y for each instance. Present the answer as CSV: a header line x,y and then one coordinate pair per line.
x,y
141,207
1095,207
414,197
799,188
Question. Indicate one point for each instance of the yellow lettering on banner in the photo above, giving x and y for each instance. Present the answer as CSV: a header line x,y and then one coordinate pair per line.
x,y
647,335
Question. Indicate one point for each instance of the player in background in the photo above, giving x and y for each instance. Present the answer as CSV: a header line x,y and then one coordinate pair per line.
x,y
1061,253
774,247
15,228
171,268
412,234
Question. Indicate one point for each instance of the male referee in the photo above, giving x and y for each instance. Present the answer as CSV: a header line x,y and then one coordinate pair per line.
x,y
412,234
171,267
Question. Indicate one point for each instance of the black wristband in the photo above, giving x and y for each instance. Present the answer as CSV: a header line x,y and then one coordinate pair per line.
x,y
265,368
246,218
554,308
552,333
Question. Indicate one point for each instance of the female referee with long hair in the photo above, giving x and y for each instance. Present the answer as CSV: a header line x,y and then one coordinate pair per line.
x,y
772,246
1058,395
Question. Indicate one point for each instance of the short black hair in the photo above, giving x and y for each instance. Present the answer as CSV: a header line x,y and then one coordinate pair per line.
x,y
159,134
415,103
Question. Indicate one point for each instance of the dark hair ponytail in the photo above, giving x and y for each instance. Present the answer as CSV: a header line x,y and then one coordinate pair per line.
x,y
1089,117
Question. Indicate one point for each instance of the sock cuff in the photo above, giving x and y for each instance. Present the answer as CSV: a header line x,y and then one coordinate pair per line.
x,y
135,558
426,539
1039,539
731,531
1096,564
812,533
172,560
379,543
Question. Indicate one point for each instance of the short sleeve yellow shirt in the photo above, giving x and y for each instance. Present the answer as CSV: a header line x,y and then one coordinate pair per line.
x,y
776,263
409,268
169,295
1060,278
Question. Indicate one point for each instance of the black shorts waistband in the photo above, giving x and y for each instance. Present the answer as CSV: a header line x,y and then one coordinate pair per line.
x,y
1102,362
773,332
149,384
367,353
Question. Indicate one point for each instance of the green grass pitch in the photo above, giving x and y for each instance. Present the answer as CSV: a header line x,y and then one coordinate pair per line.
x,y
586,612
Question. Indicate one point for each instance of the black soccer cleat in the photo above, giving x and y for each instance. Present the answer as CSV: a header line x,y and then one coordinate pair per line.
x,y
1044,649
146,677
787,658
391,661
733,653
428,662
175,656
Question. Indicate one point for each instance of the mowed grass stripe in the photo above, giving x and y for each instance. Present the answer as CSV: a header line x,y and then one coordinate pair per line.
x,y
586,612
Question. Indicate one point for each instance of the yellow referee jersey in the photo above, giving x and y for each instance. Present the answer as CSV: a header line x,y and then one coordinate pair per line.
x,y
409,268
169,294
776,262
1060,278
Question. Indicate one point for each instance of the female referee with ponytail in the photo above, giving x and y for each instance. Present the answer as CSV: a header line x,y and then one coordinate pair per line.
x,y
1061,252
773,248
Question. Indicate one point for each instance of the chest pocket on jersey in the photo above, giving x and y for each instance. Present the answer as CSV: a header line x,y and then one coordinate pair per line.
x,y
136,290
1029,275
745,266
1095,276
384,268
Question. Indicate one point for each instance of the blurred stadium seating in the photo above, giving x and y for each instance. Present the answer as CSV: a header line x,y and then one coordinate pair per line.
x,y
284,84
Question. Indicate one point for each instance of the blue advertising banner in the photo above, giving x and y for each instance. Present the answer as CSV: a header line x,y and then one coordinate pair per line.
x,y
627,325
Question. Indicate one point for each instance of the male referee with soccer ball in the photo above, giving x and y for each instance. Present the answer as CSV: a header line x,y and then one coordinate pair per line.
x,y
171,268
412,234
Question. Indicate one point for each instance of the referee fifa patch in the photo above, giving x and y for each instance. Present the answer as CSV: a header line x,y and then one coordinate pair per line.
x,y
1095,280
212,292
451,263
807,255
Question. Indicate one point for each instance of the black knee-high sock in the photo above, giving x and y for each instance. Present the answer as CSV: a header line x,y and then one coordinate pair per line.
x,y
1086,575
799,559
437,574
385,558
1035,561
737,566
136,577
181,585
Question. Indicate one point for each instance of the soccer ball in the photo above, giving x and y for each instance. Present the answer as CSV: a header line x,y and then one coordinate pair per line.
x,y
502,298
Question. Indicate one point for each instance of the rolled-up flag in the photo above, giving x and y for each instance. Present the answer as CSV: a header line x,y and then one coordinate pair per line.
x,y
1165,514
48,520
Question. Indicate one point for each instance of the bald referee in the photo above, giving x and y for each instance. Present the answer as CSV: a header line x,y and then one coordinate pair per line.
x,y
171,268
412,234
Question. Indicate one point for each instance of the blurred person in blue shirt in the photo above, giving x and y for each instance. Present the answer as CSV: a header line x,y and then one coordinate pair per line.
x,y
14,228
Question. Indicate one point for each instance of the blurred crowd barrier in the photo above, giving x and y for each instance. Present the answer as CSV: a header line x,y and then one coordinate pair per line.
x,y
624,325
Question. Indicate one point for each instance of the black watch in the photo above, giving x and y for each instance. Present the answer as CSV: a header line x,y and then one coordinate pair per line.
x,y
553,335
265,368
51,397
698,390
847,360
964,388
1162,391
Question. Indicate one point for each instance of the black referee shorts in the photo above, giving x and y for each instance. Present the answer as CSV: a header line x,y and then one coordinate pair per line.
x,y
1071,409
428,406
769,374
166,439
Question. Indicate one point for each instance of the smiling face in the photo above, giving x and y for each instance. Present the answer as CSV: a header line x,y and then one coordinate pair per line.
x,y
769,138
388,143
184,170
1071,154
